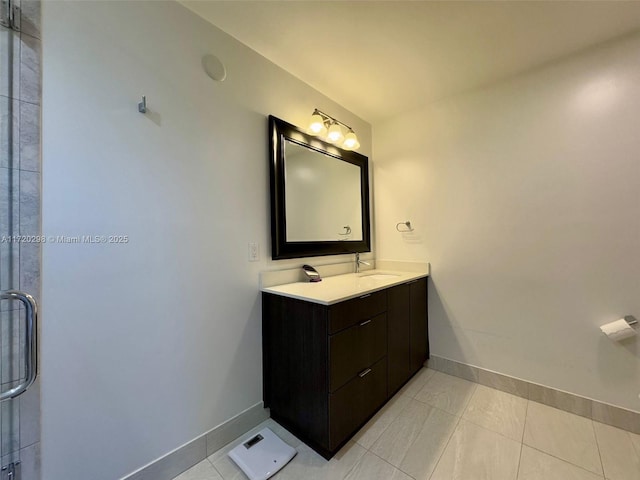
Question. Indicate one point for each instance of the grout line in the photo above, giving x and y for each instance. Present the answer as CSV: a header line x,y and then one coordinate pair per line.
x,y
385,461
524,428
20,100
359,460
519,462
486,429
21,33
414,440
633,444
530,384
444,450
468,402
215,469
565,461
385,429
595,435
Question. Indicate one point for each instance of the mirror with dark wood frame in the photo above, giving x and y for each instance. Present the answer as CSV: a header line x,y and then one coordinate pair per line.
x,y
319,195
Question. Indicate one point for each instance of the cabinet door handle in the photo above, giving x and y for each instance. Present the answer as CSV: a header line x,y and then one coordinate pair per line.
x,y
365,296
364,373
362,324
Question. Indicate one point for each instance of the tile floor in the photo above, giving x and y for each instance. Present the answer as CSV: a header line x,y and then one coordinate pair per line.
x,y
440,427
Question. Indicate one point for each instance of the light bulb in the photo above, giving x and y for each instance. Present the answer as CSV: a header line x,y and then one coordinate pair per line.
x,y
335,133
351,141
316,125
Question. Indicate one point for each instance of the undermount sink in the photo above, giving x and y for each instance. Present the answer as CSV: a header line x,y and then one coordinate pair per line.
x,y
380,276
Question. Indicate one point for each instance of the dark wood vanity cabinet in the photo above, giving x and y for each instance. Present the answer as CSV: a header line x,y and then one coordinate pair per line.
x,y
408,345
328,369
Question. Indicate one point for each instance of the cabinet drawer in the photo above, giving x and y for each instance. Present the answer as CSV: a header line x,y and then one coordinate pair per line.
x,y
354,403
356,348
350,312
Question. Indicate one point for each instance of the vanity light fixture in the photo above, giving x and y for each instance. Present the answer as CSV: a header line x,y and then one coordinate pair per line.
x,y
330,128
316,125
335,133
351,141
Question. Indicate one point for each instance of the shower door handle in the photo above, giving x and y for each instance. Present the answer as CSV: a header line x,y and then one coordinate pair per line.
x,y
30,347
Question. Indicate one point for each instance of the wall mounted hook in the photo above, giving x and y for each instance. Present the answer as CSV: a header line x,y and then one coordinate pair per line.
x,y
407,224
142,106
347,230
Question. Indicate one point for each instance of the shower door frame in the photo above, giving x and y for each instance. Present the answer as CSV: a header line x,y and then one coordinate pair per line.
x,y
20,228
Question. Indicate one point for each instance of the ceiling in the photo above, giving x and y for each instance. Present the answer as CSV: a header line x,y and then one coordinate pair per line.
x,y
380,58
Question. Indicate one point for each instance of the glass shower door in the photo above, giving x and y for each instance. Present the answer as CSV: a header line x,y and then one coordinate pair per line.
x,y
17,351
9,255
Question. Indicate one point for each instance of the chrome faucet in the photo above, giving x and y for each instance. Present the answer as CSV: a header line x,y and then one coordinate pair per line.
x,y
360,262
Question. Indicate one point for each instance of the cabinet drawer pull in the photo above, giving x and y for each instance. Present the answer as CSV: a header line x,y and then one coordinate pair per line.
x,y
364,373
365,296
362,324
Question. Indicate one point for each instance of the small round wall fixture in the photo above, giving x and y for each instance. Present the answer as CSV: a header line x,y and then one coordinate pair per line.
x,y
214,68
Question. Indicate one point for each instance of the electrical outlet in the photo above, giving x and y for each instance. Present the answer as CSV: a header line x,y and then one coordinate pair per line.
x,y
254,251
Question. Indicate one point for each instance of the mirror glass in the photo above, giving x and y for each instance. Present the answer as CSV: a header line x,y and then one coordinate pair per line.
x,y
319,195
322,201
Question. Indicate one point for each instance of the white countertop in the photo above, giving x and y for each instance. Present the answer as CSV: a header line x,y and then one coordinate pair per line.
x,y
344,287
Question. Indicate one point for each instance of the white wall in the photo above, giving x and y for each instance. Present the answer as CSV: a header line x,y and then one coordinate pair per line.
x,y
525,197
149,344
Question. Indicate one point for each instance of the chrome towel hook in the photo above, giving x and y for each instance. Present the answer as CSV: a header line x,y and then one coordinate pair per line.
x,y
407,224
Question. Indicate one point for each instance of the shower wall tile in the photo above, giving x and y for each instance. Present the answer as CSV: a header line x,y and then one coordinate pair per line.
x,y
10,276
29,226
12,340
10,347
29,203
30,415
10,420
9,63
30,14
9,132
29,141
9,217
30,462
9,273
9,198
30,269
30,69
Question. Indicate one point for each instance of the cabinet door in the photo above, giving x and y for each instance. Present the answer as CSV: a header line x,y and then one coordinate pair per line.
x,y
399,336
419,333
